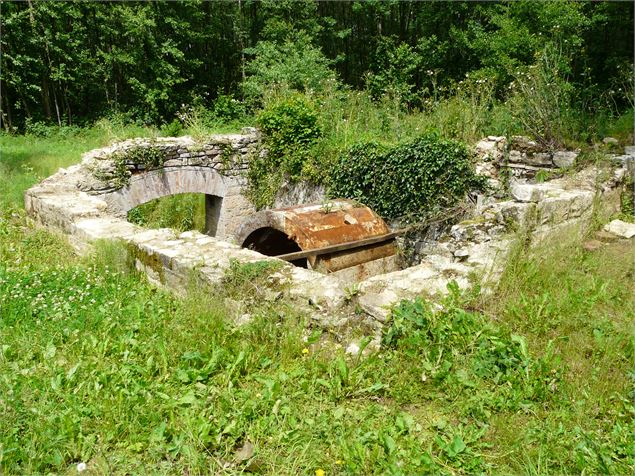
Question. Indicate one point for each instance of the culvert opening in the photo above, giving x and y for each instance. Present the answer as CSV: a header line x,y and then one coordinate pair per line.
x,y
341,237
272,242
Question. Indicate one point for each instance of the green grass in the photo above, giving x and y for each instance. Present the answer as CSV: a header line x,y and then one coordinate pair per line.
x,y
181,212
98,366
27,159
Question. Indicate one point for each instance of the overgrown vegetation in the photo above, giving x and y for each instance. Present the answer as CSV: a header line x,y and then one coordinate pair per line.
x,y
146,157
407,181
290,127
377,100
627,200
98,367
181,212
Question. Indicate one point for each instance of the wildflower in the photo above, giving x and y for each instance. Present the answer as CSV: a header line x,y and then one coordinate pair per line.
x,y
305,351
339,462
81,467
319,472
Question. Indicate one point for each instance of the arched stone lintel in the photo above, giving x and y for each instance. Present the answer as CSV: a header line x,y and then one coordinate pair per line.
x,y
154,184
226,207
262,219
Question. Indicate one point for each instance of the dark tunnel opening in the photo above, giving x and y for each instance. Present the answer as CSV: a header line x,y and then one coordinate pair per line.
x,y
272,242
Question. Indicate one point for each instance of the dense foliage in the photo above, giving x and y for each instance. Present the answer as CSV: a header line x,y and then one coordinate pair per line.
x,y
407,180
67,62
290,127
99,367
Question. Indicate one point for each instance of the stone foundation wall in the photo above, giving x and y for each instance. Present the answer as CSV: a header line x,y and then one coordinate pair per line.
x,y
89,207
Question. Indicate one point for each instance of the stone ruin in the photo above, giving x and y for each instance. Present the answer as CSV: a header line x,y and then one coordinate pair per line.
x,y
89,202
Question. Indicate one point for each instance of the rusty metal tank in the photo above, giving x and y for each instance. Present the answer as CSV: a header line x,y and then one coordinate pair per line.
x,y
339,237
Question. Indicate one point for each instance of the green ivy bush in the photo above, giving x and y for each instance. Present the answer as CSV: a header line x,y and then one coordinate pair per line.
x,y
409,179
290,128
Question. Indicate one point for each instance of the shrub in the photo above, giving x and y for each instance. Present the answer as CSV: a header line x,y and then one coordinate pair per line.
x,y
542,99
172,129
409,179
228,108
294,64
290,128
394,71
289,125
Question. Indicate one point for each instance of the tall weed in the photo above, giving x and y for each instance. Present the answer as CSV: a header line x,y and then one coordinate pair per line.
x,y
542,100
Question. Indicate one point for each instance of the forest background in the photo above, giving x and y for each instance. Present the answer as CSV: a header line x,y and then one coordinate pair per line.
x,y
101,371
71,63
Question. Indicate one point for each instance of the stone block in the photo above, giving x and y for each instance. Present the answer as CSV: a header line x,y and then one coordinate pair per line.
x,y
524,144
517,156
564,158
530,192
540,159
621,228
512,214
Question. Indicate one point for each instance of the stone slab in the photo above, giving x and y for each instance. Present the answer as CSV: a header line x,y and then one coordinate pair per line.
x,y
621,228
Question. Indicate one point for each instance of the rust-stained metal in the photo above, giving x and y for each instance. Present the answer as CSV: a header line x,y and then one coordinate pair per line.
x,y
313,227
339,247
353,257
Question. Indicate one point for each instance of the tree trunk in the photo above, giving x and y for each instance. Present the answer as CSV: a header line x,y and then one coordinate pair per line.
x,y
57,109
6,110
69,117
240,38
27,111
46,98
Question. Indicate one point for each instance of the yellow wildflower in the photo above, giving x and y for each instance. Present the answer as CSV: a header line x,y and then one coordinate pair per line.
x,y
319,472
305,351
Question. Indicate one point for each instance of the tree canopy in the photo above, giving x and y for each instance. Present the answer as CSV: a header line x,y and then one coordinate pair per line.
x,y
69,62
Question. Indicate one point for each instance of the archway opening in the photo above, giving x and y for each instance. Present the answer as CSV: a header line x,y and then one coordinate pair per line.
x,y
272,242
182,212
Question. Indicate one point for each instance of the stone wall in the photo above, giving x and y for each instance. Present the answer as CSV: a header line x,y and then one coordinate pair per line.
x,y
520,158
90,206
134,172
475,249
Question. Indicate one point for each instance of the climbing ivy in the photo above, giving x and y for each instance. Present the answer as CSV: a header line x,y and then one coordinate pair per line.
x,y
289,129
410,179
148,157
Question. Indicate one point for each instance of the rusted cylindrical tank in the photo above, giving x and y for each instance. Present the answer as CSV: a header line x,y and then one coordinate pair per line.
x,y
339,236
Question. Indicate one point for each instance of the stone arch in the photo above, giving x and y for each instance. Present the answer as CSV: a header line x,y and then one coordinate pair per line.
x,y
220,193
270,241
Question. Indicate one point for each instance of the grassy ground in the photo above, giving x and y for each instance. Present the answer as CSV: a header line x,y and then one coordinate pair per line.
x,y
97,366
